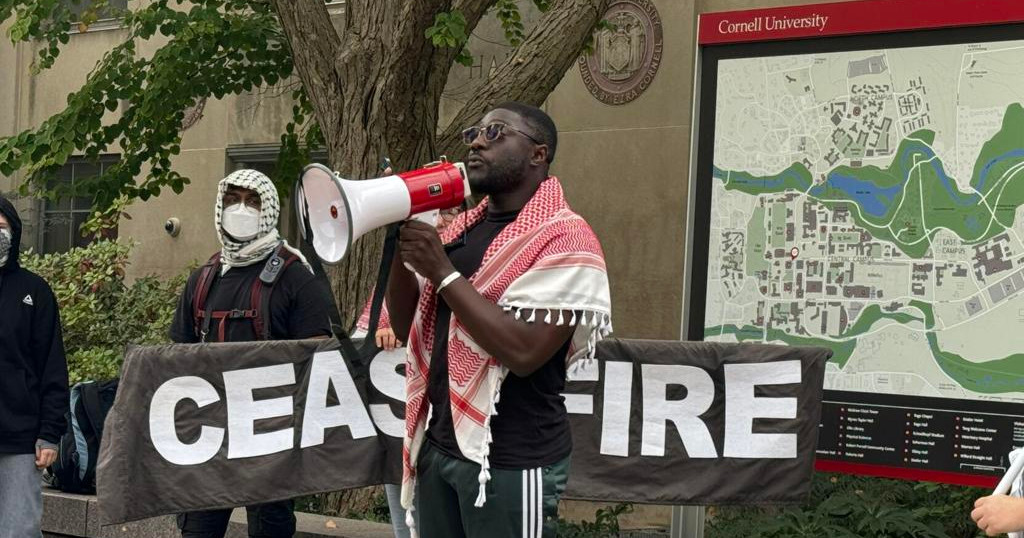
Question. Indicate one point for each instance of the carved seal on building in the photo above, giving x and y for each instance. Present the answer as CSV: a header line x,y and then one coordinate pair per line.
x,y
626,53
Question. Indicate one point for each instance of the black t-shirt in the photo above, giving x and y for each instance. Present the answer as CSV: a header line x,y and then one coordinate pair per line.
x,y
531,428
299,305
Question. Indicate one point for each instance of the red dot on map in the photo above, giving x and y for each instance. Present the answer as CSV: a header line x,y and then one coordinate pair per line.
x,y
794,252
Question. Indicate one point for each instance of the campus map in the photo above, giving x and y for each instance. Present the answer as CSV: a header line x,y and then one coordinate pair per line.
x,y
873,202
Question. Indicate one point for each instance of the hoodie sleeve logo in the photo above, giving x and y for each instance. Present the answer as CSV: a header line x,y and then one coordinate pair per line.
x,y
28,300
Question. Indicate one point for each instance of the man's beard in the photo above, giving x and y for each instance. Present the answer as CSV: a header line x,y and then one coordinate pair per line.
x,y
497,177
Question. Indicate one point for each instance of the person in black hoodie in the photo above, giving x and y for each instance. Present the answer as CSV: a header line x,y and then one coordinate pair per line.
x,y
33,384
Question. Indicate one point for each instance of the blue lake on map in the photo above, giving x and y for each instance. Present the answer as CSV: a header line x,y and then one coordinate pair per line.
x,y
873,199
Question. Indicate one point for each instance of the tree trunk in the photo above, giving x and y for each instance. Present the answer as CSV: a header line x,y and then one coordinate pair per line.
x,y
358,502
376,91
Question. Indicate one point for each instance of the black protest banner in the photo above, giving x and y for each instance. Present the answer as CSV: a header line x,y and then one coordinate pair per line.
x,y
203,426
198,426
696,422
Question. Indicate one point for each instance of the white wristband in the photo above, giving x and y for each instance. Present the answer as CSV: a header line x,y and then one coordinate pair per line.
x,y
448,280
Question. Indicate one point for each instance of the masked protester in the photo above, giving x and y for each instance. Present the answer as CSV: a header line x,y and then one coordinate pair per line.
x,y
256,288
515,292
33,384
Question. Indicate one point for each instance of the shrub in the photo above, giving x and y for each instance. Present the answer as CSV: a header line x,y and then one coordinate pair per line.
x,y
857,506
605,524
101,313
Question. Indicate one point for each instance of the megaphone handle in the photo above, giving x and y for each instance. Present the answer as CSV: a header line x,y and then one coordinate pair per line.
x,y
429,218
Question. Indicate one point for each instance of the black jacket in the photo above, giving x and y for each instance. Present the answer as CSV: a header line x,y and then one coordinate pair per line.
x,y
33,370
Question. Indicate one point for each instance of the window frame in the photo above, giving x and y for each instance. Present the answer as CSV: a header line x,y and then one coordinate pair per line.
x,y
43,211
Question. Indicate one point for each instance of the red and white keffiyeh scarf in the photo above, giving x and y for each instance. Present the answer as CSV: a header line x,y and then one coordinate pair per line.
x,y
547,262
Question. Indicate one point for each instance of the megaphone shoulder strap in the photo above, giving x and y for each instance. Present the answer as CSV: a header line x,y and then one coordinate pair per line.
x,y
370,348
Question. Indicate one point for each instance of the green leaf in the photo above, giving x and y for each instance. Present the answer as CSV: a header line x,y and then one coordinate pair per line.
x,y
465,58
19,30
448,30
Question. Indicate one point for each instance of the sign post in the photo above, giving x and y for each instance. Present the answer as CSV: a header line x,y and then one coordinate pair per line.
x,y
687,522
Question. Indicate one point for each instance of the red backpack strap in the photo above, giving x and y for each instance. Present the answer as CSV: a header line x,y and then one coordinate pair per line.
x,y
207,274
259,294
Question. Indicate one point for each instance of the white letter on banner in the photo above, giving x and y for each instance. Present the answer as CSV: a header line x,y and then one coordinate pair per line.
x,y
742,407
618,400
163,431
329,368
244,411
385,378
581,404
685,413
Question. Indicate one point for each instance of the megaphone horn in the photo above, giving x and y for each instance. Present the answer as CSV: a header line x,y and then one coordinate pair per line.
x,y
339,211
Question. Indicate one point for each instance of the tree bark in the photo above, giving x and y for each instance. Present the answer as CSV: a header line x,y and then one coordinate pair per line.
x,y
314,45
534,68
376,91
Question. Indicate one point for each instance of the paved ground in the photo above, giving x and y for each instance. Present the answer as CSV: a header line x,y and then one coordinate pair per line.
x,y
68,515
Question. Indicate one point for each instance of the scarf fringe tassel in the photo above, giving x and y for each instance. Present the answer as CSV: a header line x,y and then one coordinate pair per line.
x,y
601,327
485,467
410,521
600,321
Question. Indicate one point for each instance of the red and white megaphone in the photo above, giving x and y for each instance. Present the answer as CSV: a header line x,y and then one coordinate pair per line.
x,y
339,211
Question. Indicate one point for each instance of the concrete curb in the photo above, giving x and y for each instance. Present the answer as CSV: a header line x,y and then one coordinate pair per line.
x,y
71,515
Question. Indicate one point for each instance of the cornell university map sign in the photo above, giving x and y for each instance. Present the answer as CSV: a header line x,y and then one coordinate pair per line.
x,y
865,193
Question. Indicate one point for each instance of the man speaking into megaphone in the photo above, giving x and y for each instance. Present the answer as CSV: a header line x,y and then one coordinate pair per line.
x,y
515,292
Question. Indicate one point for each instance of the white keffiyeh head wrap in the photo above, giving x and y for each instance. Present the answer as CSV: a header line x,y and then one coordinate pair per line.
x,y
243,253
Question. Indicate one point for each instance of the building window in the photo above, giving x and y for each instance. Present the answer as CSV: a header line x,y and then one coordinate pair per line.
x,y
111,10
62,219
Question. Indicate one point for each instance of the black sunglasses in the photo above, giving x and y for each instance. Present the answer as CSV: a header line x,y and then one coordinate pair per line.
x,y
492,132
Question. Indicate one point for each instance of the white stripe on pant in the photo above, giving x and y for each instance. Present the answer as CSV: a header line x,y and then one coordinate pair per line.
x,y
539,522
533,503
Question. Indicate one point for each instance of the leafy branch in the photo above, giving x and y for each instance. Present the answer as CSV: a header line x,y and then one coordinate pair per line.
x,y
449,30
133,105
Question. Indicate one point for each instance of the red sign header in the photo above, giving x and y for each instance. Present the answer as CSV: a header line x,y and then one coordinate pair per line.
x,y
848,18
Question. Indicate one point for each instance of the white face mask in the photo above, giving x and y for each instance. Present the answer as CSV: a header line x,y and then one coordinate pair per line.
x,y
240,222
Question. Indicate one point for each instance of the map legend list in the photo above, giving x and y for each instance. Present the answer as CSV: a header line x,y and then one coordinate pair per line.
x,y
893,435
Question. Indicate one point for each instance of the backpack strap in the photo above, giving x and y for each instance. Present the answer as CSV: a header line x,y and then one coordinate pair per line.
x,y
90,395
200,315
93,433
259,294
